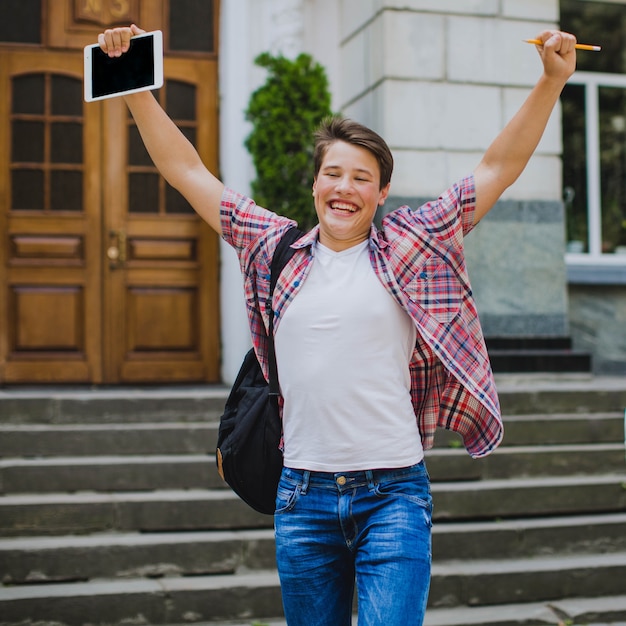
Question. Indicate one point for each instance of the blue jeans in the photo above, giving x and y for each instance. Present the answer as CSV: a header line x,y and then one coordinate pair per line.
x,y
372,526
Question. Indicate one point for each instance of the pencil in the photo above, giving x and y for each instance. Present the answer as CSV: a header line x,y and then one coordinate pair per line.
x,y
578,46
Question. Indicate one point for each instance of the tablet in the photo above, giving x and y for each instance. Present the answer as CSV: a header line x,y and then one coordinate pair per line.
x,y
139,69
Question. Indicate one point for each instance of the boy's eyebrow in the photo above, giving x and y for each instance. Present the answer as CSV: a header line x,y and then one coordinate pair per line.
x,y
363,170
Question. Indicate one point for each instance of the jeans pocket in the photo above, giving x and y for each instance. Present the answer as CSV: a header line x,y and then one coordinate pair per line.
x,y
286,496
415,490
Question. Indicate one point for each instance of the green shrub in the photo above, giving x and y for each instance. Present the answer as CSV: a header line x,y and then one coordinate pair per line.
x,y
285,111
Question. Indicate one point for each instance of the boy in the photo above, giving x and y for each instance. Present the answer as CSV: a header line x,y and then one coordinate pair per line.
x,y
377,343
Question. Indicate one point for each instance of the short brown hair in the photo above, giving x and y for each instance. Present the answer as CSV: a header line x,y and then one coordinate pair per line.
x,y
342,129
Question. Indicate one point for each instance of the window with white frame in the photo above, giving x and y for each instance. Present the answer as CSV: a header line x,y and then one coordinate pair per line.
x,y
594,133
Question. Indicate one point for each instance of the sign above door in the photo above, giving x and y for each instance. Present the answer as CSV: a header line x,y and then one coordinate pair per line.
x,y
106,12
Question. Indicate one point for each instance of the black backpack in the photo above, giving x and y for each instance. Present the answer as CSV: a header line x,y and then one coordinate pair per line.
x,y
248,455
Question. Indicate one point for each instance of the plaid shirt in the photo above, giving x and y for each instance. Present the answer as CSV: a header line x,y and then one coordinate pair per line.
x,y
418,257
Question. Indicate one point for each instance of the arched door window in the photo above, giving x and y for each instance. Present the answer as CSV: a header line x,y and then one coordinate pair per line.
x,y
46,143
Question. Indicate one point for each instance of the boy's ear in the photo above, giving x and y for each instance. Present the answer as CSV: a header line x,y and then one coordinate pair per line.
x,y
384,192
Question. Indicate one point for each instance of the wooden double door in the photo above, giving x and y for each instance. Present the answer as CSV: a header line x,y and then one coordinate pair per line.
x,y
106,273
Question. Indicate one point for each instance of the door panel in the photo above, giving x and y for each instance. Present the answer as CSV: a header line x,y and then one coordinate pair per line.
x,y
161,277
50,205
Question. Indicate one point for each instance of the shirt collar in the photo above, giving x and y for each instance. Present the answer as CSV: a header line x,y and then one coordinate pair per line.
x,y
312,236
376,238
308,239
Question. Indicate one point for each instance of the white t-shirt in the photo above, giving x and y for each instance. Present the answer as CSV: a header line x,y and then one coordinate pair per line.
x,y
343,349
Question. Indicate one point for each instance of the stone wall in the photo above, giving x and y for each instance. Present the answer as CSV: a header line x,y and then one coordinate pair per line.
x,y
515,259
598,321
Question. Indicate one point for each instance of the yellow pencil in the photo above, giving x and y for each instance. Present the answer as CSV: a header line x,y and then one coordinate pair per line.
x,y
578,46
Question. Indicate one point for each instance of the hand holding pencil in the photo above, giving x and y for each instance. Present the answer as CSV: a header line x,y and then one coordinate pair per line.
x,y
557,51
578,46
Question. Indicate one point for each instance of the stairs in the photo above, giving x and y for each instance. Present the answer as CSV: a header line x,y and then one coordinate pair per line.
x,y
112,513
536,354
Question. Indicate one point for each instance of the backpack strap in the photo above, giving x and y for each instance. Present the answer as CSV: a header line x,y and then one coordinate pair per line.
x,y
281,257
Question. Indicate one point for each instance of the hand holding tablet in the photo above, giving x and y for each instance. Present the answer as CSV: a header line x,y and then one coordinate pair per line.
x,y
138,69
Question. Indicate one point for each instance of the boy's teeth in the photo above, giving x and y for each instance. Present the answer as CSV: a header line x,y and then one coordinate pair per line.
x,y
343,207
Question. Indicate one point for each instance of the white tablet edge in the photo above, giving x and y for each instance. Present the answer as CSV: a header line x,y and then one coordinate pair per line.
x,y
157,50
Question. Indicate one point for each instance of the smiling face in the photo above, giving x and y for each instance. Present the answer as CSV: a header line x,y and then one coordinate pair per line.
x,y
347,193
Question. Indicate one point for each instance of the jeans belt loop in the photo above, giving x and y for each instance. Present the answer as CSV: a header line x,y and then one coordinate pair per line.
x,y
371,482
306,477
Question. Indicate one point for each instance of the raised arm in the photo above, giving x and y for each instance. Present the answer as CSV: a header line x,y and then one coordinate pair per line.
x,y
174,156
507,156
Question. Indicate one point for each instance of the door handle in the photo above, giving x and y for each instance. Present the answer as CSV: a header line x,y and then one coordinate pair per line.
x,y
116,252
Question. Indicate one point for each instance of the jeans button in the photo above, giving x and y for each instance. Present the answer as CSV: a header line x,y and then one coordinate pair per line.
x,y
341,481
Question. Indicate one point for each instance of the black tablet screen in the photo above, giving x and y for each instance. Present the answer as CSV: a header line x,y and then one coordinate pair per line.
x,y
132,70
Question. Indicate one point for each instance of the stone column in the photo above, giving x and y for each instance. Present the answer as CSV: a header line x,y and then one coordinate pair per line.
x,y
287,27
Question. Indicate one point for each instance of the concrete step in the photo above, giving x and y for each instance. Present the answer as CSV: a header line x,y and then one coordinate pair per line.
x,y
197,471
529,537
133,555
501,582
124,555
35,440
587,611
521,394
543,393
144,601
74,440
552,429
538,360
581,610
244,596
109,406
165,510
109,473
564,428
605,611
529,497
522,461
199,509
